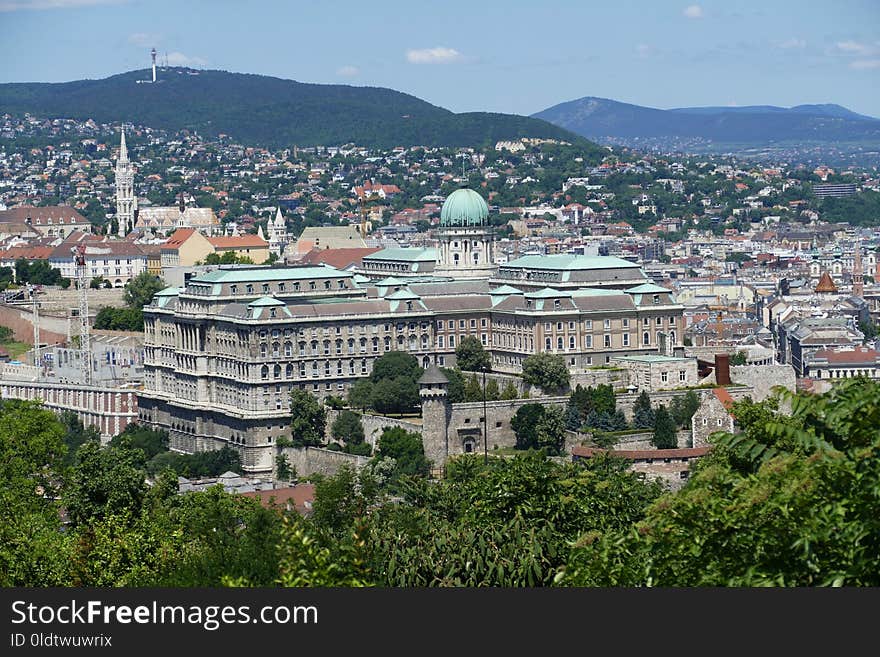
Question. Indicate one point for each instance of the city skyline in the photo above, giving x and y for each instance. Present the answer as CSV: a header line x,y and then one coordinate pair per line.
x,y
515,58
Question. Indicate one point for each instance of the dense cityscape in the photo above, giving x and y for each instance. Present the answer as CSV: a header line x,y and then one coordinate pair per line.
x,y
523,361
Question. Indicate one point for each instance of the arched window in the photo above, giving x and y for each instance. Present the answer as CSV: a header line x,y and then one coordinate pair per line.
x,y
276,349
277,372
289,371
264,372
288,349
646,338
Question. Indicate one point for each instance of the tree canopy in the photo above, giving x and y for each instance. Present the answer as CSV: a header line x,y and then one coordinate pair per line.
x,y
547,371
471,356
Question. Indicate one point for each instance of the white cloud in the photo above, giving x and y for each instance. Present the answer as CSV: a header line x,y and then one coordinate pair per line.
x,y
18,5
179,59
792,43
438,55
693,11
865,64
858,48
142,39
347,71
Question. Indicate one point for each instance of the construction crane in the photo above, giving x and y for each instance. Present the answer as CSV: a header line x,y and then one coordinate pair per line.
x,y
79,253
35,320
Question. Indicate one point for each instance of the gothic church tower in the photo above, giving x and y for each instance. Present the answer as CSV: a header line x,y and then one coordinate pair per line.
x,y
126,203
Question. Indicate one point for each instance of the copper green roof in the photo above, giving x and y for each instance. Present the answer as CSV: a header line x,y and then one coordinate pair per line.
x,y
404,254
564,261
266,301
648,288
267,274
464,207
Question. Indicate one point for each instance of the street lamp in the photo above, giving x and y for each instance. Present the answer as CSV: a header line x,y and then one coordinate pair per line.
x,y
485,423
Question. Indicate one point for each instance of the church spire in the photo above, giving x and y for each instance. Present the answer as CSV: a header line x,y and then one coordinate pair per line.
x,y
123,149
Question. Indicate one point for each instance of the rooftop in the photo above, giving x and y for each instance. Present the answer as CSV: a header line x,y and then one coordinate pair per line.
x,y
564,261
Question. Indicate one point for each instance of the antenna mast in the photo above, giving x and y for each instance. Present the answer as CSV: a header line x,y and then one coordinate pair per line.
x,y
84,347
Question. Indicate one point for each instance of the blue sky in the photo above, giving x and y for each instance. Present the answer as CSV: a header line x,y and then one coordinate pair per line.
x,y
505,56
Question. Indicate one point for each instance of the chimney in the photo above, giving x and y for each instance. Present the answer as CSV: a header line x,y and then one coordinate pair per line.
x,y
722,369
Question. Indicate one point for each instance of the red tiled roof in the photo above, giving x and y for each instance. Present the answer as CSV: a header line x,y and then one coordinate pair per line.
x,y
179,236
240,242
857,356
724,397
637,454
299,497
27,252
338,258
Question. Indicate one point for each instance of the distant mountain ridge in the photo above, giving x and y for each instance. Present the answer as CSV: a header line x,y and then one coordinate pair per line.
x,y
270,111
601,119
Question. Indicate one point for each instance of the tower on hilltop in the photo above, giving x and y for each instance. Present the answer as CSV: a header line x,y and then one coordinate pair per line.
x,y
153,55
126,203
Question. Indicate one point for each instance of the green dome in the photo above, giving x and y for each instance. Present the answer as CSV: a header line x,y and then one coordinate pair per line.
x,y
464,207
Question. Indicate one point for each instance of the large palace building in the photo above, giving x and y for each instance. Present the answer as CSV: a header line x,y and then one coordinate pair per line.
x,y
223,353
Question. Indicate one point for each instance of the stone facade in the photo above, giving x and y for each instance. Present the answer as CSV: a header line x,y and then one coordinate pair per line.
x,y
711,416
654,372
108,409
315,460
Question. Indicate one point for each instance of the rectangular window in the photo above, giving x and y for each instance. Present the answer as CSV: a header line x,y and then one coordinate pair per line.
x,y
607,324
625,323
588,341
461,323
451,341
440,341
682,375
664,376
626,339
607,340
588,324
473,323
483,322
571,343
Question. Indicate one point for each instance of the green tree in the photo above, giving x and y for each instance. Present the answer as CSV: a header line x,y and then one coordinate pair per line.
x,y
492,391
509,391
804,515
643,412
119,319
139,291
75,434
104,482
471,356
342,498
684,407
473,391
307,419
347,427
283,470
395,364
397,395
550,431
547,371
455,392
664,429
406,449
525,425
739,358
149,441
360,394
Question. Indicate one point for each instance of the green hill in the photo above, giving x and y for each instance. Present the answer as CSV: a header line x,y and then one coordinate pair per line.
x,y
270,111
